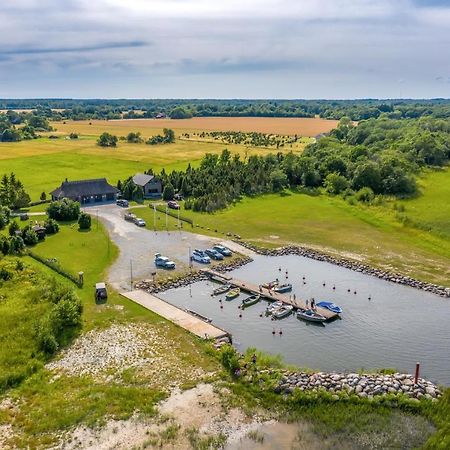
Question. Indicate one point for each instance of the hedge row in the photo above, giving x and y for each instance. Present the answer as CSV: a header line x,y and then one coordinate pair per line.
x,y
171,213
56,267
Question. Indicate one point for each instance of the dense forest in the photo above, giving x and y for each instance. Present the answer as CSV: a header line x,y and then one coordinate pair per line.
x,y
60,109
376,157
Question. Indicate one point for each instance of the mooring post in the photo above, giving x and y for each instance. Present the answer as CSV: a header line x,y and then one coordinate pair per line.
x,y
416,376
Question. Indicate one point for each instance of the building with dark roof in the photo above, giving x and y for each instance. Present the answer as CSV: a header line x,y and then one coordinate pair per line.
x,y
150,185
86,191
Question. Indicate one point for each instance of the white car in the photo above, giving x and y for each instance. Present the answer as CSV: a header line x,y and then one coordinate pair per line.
x,y
139,222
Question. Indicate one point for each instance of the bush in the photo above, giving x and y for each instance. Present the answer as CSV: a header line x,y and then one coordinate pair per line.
x,y
84,221
13,227
335,183
29,236
16,244
365,195
107,140
43,196
229,358
168,192
64,209
51,226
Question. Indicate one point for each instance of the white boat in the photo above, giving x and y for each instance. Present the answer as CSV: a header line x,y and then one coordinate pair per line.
x,y
284,311
273,307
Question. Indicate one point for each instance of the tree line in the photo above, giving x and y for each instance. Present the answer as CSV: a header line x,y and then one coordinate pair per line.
x,y
377,157
62,109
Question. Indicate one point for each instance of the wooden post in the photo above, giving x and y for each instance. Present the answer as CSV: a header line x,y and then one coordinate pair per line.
x,y
416,376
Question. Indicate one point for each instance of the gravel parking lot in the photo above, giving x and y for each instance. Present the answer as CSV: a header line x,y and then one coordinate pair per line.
x,y
138,246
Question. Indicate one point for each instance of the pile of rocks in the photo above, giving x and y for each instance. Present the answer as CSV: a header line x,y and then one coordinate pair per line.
x,y
192,277
364,386
352,265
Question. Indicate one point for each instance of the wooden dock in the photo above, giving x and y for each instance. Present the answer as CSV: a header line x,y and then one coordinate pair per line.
x,y
176,315
268,294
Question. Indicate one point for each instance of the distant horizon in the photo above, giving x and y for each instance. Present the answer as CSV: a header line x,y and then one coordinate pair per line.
x,y
389,99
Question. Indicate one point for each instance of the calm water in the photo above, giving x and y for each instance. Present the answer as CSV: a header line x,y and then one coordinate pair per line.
x,y
396,328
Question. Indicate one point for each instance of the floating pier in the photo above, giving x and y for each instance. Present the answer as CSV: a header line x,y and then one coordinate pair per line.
x,y
182,318
266,293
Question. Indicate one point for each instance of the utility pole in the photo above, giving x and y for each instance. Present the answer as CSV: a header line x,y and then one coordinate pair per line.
x,y
154,217
131,274
167,218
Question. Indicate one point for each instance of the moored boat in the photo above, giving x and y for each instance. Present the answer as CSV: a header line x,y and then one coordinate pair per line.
x,y
221,289
330,306
310,315
252,300
273,307
281,288
270,284
284,311
232,294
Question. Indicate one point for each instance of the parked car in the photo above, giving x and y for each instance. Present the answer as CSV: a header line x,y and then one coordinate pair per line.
x,y
139,222
172,204
223,250
178,197
122,202
100,291
214,254
200,256
163,262
130,217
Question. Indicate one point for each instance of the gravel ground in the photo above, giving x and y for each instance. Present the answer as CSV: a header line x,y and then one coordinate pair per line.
x,y
138,245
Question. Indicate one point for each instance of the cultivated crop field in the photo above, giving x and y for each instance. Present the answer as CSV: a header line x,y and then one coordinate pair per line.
x,y
274,125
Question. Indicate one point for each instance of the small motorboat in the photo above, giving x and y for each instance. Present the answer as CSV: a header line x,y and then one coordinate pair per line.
x,y
284,311
310,315
198,315
221,289
330,306
282,288
273,307
232,294
270,284
252,300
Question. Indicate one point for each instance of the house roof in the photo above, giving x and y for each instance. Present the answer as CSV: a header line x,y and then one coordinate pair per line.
x,y
71,189
141,179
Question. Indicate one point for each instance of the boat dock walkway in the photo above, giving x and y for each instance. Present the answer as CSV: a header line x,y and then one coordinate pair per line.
x,y
176,315
266,293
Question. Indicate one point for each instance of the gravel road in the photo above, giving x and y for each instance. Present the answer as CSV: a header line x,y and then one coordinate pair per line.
x,y
138,245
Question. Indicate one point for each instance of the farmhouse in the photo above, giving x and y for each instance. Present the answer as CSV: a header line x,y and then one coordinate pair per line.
x,y
150,185
86,191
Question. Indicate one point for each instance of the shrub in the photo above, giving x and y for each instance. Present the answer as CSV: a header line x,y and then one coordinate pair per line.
x,y
43,196
168,192
64,209
5,274
365,195
335,183
13,227
16,244
107,140
84,221
29,236
51,226
229,358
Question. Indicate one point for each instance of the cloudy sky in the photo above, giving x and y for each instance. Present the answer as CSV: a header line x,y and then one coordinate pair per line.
x,y
225,48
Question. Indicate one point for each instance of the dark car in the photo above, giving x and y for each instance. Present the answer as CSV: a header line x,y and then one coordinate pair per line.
x,y
173,204
100,291
122,202
214,254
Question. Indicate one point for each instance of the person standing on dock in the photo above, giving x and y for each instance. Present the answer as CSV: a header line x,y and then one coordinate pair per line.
x,y
307,303
313,304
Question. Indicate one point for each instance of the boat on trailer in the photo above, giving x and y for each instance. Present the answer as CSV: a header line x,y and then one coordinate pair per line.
x,y
232,294
221,289
330,306
310,316
252,300
284,311
282,288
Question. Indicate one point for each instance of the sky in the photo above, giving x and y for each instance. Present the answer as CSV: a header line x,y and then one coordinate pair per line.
x,y
225,49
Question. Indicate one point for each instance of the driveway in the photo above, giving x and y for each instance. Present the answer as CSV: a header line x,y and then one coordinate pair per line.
x,y
138,246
